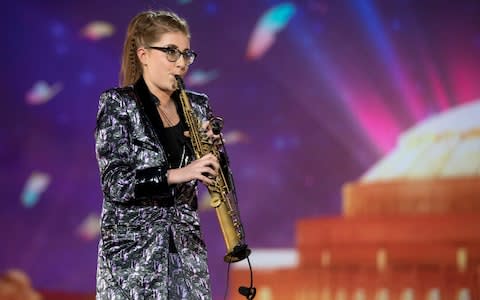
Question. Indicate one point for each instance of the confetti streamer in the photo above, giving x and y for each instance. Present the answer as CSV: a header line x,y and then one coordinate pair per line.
x,y
204,202
98,30
36,184
90,227
200,77
236,137
41,92
271,22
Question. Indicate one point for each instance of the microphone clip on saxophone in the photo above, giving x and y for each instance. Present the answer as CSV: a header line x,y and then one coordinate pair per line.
x,y
217,125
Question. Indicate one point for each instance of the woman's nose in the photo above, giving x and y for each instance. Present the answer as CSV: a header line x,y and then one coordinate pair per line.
x,y
181,62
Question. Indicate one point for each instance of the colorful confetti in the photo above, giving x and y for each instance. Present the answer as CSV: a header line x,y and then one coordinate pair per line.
x,y
90,227
200,77
236,137
41,92
98,30
271,22
204,201
36,184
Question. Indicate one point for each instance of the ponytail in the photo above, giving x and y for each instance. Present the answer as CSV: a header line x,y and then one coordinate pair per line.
x,y
144,29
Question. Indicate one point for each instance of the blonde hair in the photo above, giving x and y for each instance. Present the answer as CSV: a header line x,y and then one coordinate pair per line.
x,y
144,29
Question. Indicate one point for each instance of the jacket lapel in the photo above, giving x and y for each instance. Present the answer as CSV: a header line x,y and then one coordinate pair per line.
x,y
147,102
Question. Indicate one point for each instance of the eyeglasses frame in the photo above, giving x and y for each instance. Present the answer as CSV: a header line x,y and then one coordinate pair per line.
x,y
179,53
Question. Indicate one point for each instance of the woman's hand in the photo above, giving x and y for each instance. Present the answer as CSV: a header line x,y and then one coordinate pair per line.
x,y
203,169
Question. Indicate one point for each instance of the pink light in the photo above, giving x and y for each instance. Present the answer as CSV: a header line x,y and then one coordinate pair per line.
x,y
464,80
378,122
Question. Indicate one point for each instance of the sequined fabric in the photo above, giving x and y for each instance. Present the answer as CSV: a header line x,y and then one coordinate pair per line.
x,y
141,214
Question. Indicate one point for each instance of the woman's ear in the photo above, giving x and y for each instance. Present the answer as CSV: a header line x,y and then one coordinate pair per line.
x,y
142,55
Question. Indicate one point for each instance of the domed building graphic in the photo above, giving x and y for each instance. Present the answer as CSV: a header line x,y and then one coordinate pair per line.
x,y
410,227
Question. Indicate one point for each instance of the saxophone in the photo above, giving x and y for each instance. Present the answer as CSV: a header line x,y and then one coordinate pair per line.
x,y
222,190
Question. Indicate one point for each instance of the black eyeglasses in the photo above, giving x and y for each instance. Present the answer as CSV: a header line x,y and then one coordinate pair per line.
x,y
173,54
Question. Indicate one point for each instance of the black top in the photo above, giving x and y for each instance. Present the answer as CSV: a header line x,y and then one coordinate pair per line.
x,y
174,144
172,138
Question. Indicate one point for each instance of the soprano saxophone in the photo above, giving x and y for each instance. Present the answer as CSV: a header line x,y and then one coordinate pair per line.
x,y
222,191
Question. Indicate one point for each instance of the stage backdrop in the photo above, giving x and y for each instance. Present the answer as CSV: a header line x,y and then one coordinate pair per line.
x,y
313,93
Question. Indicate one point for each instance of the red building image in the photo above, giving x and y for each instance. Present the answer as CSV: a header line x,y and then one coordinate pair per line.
x,y
410,227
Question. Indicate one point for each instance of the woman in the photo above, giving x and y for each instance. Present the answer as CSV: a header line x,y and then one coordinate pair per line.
x,y
151,245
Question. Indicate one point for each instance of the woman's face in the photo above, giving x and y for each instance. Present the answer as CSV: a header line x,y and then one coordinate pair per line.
x,y
158,72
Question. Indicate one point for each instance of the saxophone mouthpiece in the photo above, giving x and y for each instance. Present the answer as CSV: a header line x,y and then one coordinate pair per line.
x,y
180,84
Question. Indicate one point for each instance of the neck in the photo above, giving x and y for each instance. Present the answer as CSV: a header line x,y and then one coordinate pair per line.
x,y
164,96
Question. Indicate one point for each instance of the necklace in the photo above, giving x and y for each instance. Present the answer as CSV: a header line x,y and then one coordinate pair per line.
x,y
168,123
172,129
164,116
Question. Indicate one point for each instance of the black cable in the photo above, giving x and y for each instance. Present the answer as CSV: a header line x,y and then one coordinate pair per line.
x,y
226,288
252,291
251,272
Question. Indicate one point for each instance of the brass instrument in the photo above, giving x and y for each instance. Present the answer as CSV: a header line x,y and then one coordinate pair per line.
x,y
222,190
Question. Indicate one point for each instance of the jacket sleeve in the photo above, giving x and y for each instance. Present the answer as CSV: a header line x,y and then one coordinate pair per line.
x,y
121,180
201,105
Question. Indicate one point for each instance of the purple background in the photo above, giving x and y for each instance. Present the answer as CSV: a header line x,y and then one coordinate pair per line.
x,y
326,101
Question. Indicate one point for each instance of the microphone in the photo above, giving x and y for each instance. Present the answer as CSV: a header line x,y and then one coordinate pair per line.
x,y
217,125
248,292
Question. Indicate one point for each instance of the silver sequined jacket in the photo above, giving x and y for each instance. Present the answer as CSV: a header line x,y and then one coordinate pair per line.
x,y
143,218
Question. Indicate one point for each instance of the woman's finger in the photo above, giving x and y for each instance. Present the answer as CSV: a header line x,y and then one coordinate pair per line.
x,y
205,180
